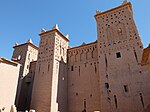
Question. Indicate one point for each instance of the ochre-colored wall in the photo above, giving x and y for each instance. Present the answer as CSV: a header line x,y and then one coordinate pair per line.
x,y
9,74
129,83
50,83
83,79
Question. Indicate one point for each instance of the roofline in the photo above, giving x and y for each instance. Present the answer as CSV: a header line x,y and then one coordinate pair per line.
x,y
144,60
126,4
83,45
8,61
52,31
25,44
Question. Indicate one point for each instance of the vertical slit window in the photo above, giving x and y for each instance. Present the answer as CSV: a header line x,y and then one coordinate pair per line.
x,y
84,105
106,62
71,68
115,101
79,70
48,66
125,88
107,85
142,101
135,56
95,68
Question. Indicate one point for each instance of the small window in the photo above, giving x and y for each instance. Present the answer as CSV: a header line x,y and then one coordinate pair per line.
x,y
76,94
48,66
27,66
29,57
125,88
107,85
118,55
71,68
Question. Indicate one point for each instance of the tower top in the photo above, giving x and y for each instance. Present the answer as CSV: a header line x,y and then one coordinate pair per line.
x,y
55,27
43,30
29,41
67,36
16,44
125,1
124,4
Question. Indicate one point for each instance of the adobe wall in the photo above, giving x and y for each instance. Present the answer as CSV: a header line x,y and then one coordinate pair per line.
x,y
83,79
50,83
9,78
41,95
124,84
26,89
23,54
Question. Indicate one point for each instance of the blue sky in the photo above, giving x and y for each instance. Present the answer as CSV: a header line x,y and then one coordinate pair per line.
x,y
24,19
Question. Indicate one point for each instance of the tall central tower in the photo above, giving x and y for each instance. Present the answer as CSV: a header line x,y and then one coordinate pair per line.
x,y
50,83
123,82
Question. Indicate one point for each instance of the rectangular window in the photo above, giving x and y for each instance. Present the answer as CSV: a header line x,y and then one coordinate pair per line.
x,y
107,85
125,88
48,66
118,55
71,68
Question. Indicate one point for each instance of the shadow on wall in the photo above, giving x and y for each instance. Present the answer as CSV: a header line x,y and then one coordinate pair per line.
x,y
26,92
62,86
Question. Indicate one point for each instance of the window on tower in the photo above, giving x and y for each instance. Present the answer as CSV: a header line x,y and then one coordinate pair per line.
x,y
118,55
71,68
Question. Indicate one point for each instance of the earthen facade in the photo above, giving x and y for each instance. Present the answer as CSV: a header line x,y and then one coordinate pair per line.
x,y
9,71
108,75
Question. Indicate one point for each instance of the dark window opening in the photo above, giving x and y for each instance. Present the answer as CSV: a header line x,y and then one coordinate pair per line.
x,y
90,95
85,64
107,85
106,62
95,68
118,55
84,106
108,99
115,101
79,70
125,88
142,101
76,94
106,75
29,57
71,68
27,66
48,66
135,56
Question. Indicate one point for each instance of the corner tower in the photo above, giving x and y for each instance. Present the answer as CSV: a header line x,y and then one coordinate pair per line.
x,y
123,82
50,83
23,54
